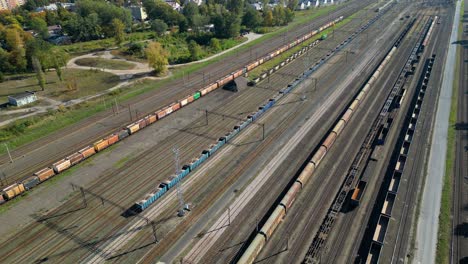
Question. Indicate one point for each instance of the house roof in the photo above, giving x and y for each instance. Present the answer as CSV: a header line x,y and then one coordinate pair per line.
x,y
19,96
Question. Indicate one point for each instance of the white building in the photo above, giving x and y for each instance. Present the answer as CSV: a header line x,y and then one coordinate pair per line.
x,y
305,4
176,6
257,6
138,13
22,98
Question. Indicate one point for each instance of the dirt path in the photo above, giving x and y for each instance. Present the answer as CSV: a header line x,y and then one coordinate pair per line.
x,y
142,68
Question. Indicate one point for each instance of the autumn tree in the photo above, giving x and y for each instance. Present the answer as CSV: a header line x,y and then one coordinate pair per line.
x,y
215,44
118,26
39,73
157,57
195,50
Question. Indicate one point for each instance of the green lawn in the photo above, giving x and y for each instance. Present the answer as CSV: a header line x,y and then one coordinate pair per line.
x,y
105,63
87,82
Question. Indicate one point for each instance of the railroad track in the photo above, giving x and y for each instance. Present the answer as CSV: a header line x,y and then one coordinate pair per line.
x,y
339,238
194,189
101,185
144,104
325,189
460,180
400,246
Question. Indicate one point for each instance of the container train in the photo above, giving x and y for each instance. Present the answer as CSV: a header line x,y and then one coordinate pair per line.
x,y
44,174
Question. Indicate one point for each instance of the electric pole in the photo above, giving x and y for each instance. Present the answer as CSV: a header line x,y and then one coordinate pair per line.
x,y
181,211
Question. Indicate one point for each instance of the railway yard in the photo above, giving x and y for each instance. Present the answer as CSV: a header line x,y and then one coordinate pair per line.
x,y
321,161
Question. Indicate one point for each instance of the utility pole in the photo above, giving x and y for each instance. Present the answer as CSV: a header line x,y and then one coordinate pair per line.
x,y
9,154
85,203
181,211
116,106
130,113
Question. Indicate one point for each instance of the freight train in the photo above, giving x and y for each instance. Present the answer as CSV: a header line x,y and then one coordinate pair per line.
x,y
42,175
306,174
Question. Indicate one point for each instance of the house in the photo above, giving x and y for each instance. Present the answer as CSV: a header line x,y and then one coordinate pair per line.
x,y
257,6
138,13
305,4
176,6
197,2
54,31
22,98
51,7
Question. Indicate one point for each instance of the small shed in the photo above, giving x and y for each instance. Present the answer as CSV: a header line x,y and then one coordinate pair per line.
x,y
22,98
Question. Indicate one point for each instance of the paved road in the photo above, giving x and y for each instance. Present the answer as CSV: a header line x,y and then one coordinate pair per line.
x,y
428,223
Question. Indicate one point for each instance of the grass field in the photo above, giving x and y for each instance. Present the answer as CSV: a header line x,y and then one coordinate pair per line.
x,y
87,82
105,63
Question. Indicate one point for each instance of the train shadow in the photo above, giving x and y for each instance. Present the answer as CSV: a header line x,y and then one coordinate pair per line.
x,y
462,230
461,126
464,260
131,251
268,259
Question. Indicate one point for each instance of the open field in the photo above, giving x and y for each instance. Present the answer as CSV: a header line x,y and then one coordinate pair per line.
x,y
105,63
88,82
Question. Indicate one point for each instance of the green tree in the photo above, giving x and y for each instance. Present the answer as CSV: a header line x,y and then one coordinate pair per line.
x,y
236,7
195,50
190,11
159,26
15,45
157,57
279,16
39,26
52,18
105,14
39,73
119,34
251,18
183,25
157,9
215,44
268,18
84,28
292,4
